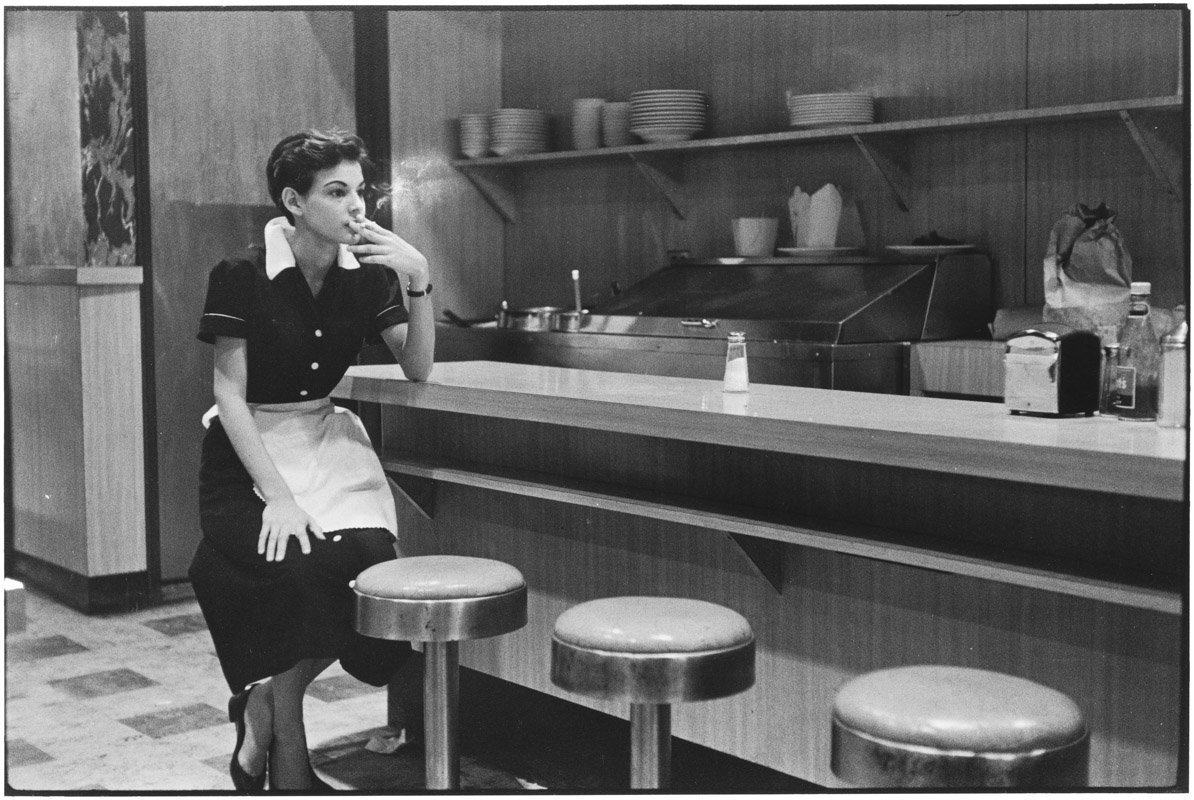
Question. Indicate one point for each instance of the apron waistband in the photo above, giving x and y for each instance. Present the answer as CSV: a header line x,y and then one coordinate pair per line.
x,y
255,408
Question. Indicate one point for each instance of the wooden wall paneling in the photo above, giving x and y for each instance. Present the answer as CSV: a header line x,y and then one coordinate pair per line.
x,y
114,470
1090,55
1097,162
899,55
444,64
967,186
45,382
599,220
43,161
1086,55
836,617
216,108
895,503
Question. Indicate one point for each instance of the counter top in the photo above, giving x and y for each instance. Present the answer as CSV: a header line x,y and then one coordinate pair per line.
x,y
955,436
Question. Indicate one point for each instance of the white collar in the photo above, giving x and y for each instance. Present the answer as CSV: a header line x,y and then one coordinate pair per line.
x,y
279,256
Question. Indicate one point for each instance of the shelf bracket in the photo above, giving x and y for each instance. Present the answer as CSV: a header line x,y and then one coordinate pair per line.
x,y
765,555
1154,150
658,177
418,491
885,167
496,194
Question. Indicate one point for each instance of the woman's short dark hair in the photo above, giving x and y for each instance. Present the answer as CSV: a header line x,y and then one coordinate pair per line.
x,y
297,158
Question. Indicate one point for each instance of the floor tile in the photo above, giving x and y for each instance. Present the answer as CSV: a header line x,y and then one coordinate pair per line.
x,y
177,626
17,650
77,724
20,753
176,720
100,684
341,687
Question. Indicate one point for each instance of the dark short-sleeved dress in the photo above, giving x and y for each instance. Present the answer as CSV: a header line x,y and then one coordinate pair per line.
x,y
264,617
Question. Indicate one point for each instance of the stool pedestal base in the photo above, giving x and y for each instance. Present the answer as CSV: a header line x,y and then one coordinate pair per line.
x,y
441,696
650,745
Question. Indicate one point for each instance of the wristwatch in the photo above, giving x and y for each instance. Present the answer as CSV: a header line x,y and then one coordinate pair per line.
x,y
426,291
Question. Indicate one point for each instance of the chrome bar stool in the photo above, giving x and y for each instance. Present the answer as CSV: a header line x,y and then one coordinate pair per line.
x,y
652,652
440,600
956,727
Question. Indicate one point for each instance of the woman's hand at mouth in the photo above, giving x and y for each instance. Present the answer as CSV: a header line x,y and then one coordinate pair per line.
x,y
376,245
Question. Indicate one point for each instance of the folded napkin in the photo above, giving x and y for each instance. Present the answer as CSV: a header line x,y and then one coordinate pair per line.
x,y
815,218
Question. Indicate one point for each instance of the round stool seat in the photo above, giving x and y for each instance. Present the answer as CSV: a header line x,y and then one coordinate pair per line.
x,y
440,598
652,650
955,726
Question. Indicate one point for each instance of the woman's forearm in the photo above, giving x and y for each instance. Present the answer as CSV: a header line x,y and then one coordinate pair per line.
x,y
418,351
246,441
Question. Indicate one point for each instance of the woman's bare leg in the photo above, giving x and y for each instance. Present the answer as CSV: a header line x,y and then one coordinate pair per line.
x,y
289,758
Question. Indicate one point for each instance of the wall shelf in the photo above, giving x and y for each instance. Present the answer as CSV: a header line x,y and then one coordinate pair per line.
x,y
873,142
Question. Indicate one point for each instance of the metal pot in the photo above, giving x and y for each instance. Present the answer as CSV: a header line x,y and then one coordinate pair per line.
x,y
539,318
568,321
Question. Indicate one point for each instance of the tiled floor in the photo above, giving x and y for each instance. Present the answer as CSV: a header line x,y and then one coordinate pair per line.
x,y
135,702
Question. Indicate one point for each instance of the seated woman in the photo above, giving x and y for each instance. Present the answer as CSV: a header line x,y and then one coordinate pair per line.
x,y
280,462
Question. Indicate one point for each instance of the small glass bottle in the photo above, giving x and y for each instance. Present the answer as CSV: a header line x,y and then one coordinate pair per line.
x,y
1173,401
1139,360
1107,392
736,378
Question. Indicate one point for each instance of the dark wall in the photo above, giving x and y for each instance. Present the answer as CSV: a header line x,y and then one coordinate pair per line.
x,y
999,188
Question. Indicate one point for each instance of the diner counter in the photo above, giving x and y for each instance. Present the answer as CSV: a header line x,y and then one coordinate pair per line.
x,y
954,436
854,531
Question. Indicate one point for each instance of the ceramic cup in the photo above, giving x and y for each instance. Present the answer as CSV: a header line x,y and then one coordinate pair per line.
x,y
586,123
755,236
474,135
615,124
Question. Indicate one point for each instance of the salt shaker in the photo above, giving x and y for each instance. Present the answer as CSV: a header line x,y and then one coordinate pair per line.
x,y
1173,401
736,377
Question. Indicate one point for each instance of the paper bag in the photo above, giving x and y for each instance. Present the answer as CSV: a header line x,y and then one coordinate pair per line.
x,y
1088,270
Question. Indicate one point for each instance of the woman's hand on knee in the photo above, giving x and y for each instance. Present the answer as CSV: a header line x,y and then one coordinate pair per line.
x,y
281,520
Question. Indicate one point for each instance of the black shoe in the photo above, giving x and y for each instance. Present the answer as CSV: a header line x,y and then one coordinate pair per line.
x,y
243,781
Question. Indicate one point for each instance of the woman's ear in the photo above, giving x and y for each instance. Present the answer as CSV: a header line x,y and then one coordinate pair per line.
x,y
292,201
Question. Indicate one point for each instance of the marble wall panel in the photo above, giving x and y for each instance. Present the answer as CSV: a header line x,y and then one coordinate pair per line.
x,y
108,148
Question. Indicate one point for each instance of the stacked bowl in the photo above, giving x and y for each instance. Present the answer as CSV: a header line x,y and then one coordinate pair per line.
x,y
667,115
832,108
518,131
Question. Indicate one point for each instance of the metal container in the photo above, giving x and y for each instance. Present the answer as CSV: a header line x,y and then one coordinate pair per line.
x,y
569,321
538,318
840,324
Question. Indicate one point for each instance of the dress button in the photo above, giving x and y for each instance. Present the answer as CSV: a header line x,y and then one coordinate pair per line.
x,y
336,538
303,393
318,332
314,365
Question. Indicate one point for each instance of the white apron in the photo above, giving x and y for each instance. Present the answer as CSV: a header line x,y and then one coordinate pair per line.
x,y
326,459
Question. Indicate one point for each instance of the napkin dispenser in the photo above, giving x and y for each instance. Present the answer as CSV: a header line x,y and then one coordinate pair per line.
x,y
1052,373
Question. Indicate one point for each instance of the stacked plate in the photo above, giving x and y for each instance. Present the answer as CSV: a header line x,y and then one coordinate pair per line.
x,y
822,110
518,131
667,115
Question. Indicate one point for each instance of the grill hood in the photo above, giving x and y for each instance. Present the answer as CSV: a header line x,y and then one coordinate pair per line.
x,y
846,302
